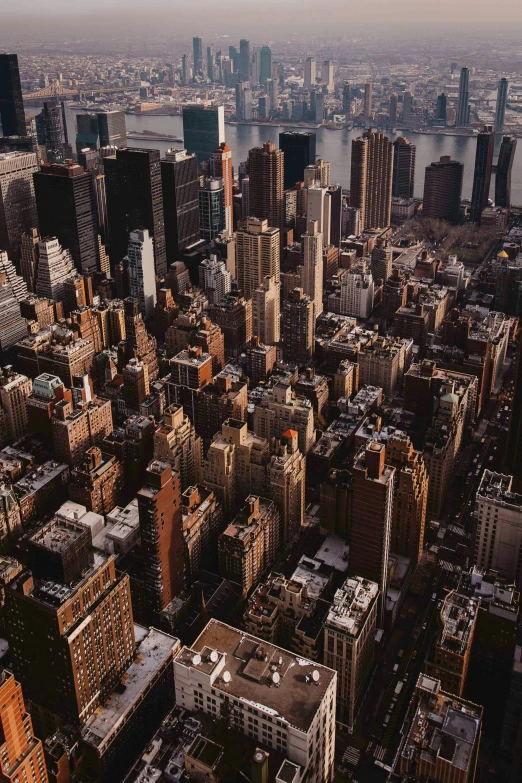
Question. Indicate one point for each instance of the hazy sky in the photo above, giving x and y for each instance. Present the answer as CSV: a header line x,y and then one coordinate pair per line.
x,y
188,17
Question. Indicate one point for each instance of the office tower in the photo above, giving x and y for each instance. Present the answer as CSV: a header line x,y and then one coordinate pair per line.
x,y
233,315
298,327
203,130
371,526
12,115
265,64
111,128
14,391
221,166
500,112
442,190
407,108
180,186
55,267
403,168
357,292
211,208
12,325
393,109
257,255
272,89
265,166
159,504
327,75
243,101
17,204
294,686
135,200
410,496
349,644
367,108
97,482
441,108
513,453
185,70
506,157
29,258
347,98
463,108
140,259
312,270
248,546
210,63
381,263
371,178
197,55
266,311
299,152
67,210
482,173
51,130
76,429
318,98
245,61
460,730
310,72
21,752
68,673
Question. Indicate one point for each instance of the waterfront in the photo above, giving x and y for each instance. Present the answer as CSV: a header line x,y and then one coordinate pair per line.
x,y
332,145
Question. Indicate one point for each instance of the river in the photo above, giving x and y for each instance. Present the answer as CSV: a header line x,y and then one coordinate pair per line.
x,y
335,147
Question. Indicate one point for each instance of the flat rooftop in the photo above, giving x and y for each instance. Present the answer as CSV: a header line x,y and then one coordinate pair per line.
x,y
153,652
351,605
251,664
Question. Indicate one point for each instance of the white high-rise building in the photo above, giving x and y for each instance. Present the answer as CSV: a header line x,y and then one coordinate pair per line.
x,y
312,270
266,311
55,266
17,202
319,209
142,278
12,290
327,75
214,279
272,89
357,291
498,542
16,283
310,72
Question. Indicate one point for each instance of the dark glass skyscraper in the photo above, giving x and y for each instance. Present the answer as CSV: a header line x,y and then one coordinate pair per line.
x,y
462,117
180,183
203,129
299,151
403,168
442,107
66,207
502,94
135,200
442,189
482,175
506,157
12,114
197,54
112,130
245,60
265,66
347,97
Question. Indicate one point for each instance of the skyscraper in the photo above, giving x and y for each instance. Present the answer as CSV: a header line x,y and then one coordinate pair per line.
x,y
55,266
257,255
463,108
312,272
299,152
371,178
243,101
135,200
482,173
393,109
66,208
506,157
298,327
51,130
197,54
371,526
12,115
142,280
407,107
159,505
211,208
180,186
442,189
203,129
310,72
367,110
347,98
210,63
502,95
245,60
21,752
221,166
327,75
111,128
403,168
266,311
441,108
265,165
265,67
513,454
17,204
